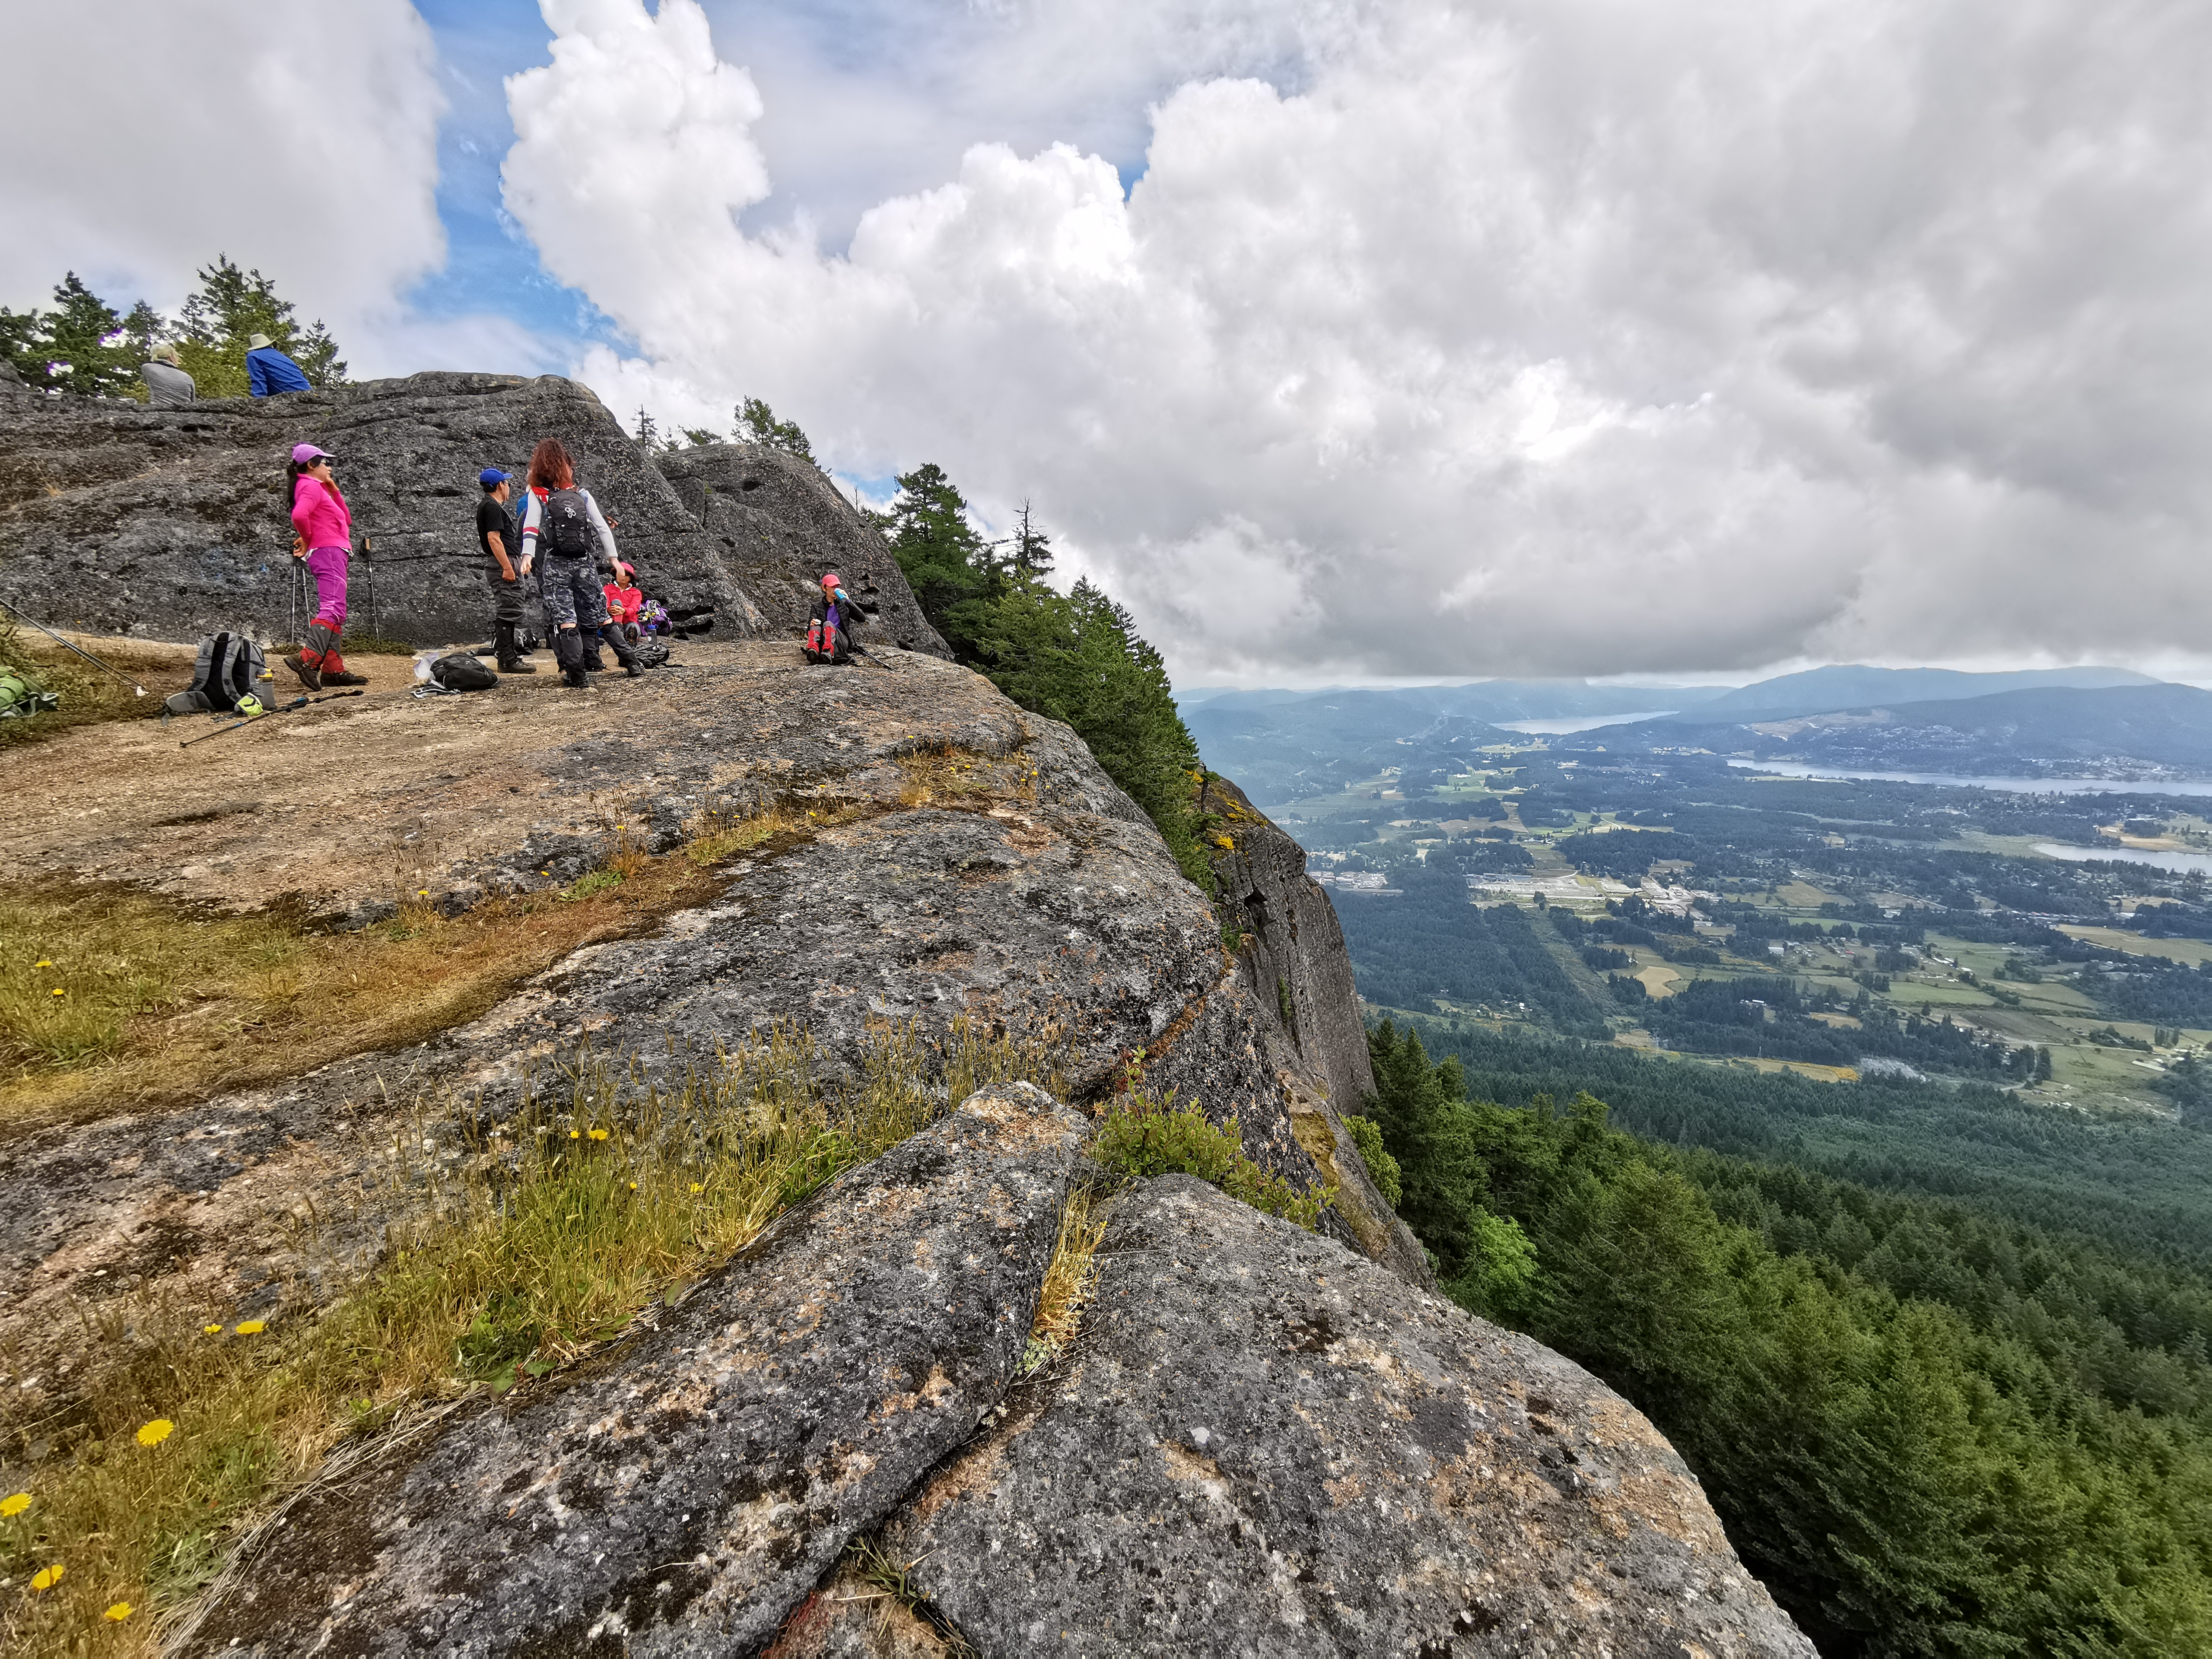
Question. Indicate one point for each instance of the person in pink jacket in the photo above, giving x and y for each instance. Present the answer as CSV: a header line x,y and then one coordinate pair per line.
x,y
624,598
325,542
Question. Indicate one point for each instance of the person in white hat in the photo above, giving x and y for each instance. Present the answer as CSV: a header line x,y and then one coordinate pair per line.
x,y
269,371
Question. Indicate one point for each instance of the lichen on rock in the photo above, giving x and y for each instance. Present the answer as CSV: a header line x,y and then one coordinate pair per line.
x,y
1265,1446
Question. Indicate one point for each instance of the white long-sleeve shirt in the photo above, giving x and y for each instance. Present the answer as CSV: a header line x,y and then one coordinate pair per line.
x,y
533,515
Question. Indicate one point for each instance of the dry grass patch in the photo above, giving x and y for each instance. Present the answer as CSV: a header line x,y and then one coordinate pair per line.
x,y
163,1004
720,833
1069,1278
946,774
88,696
533,1241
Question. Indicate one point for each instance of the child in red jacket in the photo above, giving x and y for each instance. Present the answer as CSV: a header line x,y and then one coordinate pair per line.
x,y
624,596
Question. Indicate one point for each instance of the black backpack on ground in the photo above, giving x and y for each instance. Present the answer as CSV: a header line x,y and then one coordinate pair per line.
x,y
569,525
461,672
650,653
228,666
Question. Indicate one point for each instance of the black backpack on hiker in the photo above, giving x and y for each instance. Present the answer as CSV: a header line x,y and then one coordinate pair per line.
x,y
229,666
569,525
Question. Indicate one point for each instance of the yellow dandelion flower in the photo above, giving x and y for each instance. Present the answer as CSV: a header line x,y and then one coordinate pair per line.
x,y
422,892
633,1186
252,1326
59,992
154,1433
598,1134
575,1135
42,962
46,1577
210,1330
117,1613
696,1188
15,1502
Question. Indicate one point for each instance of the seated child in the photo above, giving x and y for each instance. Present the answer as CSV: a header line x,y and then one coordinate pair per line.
x,y
623,598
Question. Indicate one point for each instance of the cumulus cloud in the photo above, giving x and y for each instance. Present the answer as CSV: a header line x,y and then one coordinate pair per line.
x,y
1532,336
145,137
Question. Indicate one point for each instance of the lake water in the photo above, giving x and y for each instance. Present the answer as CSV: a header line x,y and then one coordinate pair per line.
x,y
2012,786
1559,728
2180,863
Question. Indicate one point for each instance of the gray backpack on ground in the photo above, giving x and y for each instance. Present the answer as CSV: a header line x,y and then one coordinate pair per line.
x,y
228,666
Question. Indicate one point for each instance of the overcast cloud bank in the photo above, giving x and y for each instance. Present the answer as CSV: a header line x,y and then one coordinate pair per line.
x,y
1581,337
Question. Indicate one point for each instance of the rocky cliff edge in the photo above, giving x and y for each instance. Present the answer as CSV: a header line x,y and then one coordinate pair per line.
x,y
1261,1440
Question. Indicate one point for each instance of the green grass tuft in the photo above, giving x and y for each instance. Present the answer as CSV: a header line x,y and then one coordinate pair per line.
x,y
1142,1137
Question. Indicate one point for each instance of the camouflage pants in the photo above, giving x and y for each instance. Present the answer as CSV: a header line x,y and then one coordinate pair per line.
x,y
571,591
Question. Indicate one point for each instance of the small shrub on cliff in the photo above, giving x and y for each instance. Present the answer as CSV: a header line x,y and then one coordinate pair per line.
x,y
1382,1168
1143,1137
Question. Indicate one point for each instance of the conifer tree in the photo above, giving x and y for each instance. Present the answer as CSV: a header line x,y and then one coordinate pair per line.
x,y
946,563
230,306
142,329
757,424
1032,549
78,347
19,333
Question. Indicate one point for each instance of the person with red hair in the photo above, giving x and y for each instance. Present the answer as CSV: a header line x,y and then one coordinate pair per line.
x,y
564,528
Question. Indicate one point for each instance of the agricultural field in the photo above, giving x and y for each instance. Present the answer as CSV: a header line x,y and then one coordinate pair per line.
x,y
1679,906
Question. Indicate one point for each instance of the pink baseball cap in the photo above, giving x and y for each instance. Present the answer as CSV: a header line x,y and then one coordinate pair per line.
x,y
302,453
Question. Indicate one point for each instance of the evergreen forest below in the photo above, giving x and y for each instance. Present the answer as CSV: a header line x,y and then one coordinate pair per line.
x,y
1851,1130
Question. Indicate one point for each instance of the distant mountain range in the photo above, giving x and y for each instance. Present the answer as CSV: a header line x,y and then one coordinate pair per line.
x,y
1851,685
1286,745
1389,710
2136,729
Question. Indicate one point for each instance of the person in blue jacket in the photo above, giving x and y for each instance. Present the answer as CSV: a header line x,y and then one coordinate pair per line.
x,y
269,370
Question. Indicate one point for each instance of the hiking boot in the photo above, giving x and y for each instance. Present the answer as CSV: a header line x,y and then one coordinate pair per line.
x,y
568,651
624,655
344,677
310,675
510,659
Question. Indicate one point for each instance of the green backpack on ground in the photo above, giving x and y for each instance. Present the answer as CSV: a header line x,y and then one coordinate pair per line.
x,y
20,696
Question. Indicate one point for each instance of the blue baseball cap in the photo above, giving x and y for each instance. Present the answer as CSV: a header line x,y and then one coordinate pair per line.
x,y
492,474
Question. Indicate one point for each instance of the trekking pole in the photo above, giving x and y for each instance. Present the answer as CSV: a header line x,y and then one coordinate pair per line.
x,y
261,715
283,709
137,690
862,652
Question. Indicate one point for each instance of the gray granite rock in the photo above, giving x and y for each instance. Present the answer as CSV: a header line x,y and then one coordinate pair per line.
x,y
1030,896
780,524
682,1492
1295,978
1264,1445
169,523
851,1618
1296,966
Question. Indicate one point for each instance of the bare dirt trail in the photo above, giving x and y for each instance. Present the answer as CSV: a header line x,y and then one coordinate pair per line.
x,y
342,804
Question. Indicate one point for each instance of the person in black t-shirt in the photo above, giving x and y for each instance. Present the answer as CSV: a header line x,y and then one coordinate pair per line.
x,y
495,536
